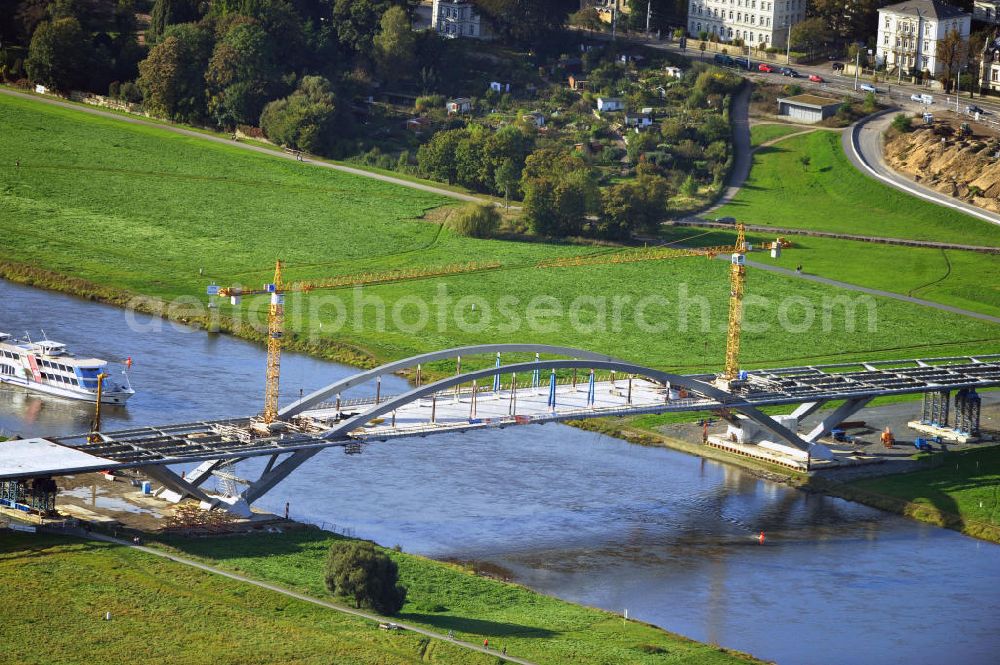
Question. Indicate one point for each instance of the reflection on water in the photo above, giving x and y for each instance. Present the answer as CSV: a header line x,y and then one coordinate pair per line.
x,y
671,537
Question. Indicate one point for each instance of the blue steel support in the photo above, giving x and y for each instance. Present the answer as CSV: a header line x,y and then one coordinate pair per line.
x,y
496,377
552,390
591,390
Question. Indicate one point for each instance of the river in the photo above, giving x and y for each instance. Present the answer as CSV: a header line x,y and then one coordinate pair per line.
x,y
667,536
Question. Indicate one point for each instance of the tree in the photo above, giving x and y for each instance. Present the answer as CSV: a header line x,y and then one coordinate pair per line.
x,y
357,22
169,12
172,78
902,123
587,18
506,180
59,54
306,119
357,570
811,34
241,75
395,44
436,158
952,50
526,20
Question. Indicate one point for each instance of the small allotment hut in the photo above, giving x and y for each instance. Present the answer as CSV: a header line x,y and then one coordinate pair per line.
x,y
807,108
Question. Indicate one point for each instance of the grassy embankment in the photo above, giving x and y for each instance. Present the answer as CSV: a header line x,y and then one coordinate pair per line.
x,y
960,492
762,133
167,612
126,210
829,194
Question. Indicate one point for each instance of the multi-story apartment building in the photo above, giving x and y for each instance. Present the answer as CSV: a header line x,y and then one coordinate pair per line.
x,y
457,18
759,23
986,11
909,32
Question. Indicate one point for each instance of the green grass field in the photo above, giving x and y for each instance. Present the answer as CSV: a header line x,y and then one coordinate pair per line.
x,y
951,277
760,134
163,612
962,492
445,597
139,210
829,194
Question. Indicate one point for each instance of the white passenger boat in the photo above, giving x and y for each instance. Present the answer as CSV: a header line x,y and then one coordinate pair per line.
x,y
46,367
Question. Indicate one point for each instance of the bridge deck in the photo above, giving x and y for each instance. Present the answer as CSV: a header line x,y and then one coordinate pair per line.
x,y
451,411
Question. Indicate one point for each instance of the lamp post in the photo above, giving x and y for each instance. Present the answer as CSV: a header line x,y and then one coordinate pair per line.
x,y
788,42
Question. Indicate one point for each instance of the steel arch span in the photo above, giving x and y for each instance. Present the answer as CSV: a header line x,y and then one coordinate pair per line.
x,y
318,397
694,385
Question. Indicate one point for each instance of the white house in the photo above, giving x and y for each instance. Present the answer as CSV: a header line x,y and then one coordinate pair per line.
x,y
909,32
638,120
457,18
536,118
605,104
459,105
759,23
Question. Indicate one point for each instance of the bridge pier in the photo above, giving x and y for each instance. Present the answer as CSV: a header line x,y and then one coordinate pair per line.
x,y
837,416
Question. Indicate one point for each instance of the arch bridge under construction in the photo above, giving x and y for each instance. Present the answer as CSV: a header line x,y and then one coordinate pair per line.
x,y
544,384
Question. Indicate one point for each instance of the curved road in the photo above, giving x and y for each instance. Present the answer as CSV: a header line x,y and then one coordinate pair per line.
x,y
863,146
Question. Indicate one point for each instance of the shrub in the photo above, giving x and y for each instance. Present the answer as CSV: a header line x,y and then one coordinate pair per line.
x,y
475,221
357,570
428,102
901,123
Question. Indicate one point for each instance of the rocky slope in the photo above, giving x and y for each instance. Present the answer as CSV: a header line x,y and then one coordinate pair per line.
x,y
966,168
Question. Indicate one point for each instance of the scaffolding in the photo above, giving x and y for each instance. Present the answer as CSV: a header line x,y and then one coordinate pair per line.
x,y
30,495
967,407
934,410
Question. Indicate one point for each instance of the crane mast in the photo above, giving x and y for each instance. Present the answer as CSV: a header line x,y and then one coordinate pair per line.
x,y
737,285
275,332
276,313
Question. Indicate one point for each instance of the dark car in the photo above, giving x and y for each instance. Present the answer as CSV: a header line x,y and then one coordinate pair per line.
x,y
788,71
972,109
838,66
726,220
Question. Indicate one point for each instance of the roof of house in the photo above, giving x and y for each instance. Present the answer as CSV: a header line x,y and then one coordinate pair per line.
x,y
810,100
460,100
926,8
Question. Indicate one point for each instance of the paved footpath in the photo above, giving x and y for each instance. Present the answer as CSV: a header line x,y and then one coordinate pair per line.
x,y
273,152
306,599
873,292
777,230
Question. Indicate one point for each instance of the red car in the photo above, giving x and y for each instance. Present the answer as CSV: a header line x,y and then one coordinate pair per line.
x,y
764,67
815,78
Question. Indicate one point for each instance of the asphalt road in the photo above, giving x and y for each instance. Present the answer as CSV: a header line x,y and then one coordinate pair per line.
x,y
863,146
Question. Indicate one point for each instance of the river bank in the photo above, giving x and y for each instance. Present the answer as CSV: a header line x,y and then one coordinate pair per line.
x,y
949,488
443,598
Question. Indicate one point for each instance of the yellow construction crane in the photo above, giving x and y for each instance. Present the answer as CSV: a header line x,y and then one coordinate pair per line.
x,y
277,290
737,284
